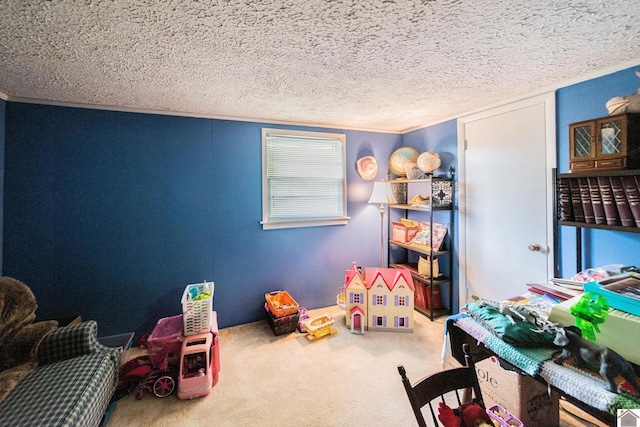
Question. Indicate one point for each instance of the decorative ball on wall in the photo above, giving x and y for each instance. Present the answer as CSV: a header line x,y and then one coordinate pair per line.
x,y
429,161
367,167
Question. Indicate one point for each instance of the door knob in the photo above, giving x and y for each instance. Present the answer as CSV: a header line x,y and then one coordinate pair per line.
x,y
535,247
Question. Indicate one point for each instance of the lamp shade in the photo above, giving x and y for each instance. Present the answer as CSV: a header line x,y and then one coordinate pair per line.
x,y
382,193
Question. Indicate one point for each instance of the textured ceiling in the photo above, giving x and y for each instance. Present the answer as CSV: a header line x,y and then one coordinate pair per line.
x,y
371,64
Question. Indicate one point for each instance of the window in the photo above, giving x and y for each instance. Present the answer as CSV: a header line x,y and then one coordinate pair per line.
x,y
401,322
379,300
303,179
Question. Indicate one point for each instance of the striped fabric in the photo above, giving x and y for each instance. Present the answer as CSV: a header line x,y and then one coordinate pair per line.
x,y
72,386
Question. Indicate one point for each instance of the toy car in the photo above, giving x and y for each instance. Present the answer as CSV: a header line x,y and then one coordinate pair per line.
x,y
198,374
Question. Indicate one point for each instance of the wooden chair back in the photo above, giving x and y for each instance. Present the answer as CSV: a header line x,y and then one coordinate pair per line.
x,y
452,386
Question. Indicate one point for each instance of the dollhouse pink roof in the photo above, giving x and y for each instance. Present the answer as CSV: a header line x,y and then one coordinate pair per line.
x,y
390,276
356,309
350,274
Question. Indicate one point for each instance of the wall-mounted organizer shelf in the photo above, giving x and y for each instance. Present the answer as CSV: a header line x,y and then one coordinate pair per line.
x,y
407,243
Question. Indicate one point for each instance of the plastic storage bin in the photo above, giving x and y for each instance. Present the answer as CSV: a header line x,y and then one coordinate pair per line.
x,y
165,342
197,313
122,342
282,325
280,303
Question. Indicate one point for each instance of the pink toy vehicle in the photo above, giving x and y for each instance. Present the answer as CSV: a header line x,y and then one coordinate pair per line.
x,y
197,369
174,358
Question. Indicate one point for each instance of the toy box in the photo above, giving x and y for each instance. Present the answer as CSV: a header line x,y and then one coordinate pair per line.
x,y
165,341
280,303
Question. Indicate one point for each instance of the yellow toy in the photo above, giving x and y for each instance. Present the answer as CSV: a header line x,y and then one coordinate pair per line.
x,y
320,326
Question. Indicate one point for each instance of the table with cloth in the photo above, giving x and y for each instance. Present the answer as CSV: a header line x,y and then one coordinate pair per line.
x,y
532,353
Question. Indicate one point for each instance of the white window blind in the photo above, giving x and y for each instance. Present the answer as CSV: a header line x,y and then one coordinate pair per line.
x,y
303,179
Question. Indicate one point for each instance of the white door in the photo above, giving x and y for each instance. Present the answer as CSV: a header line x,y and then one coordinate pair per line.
x,y
506,198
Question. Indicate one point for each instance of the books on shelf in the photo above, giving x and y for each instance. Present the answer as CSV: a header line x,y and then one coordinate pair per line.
x,y
576,200
601,200
624,210
585,198
596,200
609,205
630,186
566,208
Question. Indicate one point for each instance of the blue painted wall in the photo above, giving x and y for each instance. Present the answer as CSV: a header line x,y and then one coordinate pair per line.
x,y
110,214
575,103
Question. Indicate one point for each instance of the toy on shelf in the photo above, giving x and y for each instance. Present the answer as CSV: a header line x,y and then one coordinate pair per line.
x,y
320,326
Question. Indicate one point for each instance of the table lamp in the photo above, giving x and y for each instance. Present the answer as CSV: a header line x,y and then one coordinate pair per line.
x,y
383,194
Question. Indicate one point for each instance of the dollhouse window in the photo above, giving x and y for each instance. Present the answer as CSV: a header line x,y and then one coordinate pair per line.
x,y
379,300
379,321
401,322
303,179
401,301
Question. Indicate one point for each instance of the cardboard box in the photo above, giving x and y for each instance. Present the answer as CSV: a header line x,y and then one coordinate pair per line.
x,y
524,397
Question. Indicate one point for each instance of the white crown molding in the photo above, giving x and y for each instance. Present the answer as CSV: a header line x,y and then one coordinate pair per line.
x,y
187,114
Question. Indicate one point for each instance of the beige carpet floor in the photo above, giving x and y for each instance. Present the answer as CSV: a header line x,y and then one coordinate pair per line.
x,y
289,380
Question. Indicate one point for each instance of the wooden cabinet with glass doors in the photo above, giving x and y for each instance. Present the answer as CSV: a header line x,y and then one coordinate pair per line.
x,y
605,143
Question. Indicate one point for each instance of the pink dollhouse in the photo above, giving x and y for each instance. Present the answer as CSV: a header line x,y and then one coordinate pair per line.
x,y
382,300
355,300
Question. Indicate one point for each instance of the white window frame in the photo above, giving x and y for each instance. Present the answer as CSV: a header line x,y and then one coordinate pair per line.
x,y
302,162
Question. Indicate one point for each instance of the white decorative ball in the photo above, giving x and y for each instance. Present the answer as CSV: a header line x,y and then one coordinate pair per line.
x,y
429,161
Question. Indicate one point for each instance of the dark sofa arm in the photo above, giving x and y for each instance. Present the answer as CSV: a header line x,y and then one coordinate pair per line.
x,y
71,341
